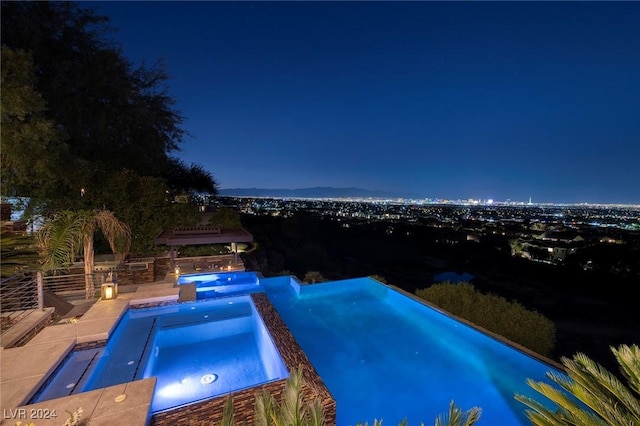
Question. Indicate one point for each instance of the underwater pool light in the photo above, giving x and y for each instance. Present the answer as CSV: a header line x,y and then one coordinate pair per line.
x,y
207,379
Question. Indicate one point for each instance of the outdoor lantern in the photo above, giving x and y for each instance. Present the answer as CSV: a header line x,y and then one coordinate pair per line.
x,y
177,270
109,290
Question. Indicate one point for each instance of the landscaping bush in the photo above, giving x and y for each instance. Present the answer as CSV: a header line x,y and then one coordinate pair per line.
x,y
494,313
313,277
203,250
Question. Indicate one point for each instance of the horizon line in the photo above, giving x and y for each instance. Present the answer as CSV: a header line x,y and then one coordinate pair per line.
x,y
391,195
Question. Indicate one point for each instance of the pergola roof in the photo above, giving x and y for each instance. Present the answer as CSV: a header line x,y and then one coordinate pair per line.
x,y
199,235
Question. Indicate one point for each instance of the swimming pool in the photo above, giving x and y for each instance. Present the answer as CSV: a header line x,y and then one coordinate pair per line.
x,y
210,285
383,355
196,350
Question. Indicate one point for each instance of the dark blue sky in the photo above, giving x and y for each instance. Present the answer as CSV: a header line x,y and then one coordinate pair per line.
x,y
501,100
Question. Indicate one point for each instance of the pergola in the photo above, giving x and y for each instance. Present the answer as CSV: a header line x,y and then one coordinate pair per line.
x,y
199,235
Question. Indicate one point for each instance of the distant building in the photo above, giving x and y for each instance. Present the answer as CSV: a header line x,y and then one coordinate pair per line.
x,y
610,240
548,251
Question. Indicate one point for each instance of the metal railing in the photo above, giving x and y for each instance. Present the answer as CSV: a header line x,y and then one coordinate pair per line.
x,y
26,291
21,292
73,286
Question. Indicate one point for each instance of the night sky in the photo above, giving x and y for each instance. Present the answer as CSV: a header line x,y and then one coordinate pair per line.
x,y
500,100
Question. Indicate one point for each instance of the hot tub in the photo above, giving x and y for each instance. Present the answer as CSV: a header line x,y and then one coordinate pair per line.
x,y
196,351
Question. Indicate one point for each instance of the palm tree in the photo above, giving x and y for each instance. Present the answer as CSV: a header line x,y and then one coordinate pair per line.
x,y
64,236
589,394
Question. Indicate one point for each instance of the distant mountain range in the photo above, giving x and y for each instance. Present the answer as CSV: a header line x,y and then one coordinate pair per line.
x,y
316,192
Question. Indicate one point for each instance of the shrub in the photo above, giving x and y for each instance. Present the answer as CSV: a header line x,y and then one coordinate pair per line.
x,y
313,277
203,250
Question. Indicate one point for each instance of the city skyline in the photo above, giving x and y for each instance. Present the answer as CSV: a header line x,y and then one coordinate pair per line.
x,y
347,194
451,100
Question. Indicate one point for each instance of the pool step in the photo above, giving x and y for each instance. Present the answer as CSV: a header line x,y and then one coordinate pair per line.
x,y
124,356
70,376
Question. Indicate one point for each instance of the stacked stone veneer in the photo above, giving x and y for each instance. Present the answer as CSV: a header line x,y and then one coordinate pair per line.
x,y
161,268
137,277
210,412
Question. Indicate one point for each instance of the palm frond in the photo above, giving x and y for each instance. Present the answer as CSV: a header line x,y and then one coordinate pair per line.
x,y
315,416
293,409
628,358
568,406
457,417
376,422
117,233
589,394
538,413
472,416
264,410
60,240
601,391
227,414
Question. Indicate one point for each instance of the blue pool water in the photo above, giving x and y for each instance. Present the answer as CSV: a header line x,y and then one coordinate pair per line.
x,y
385,356
196,350
209,285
